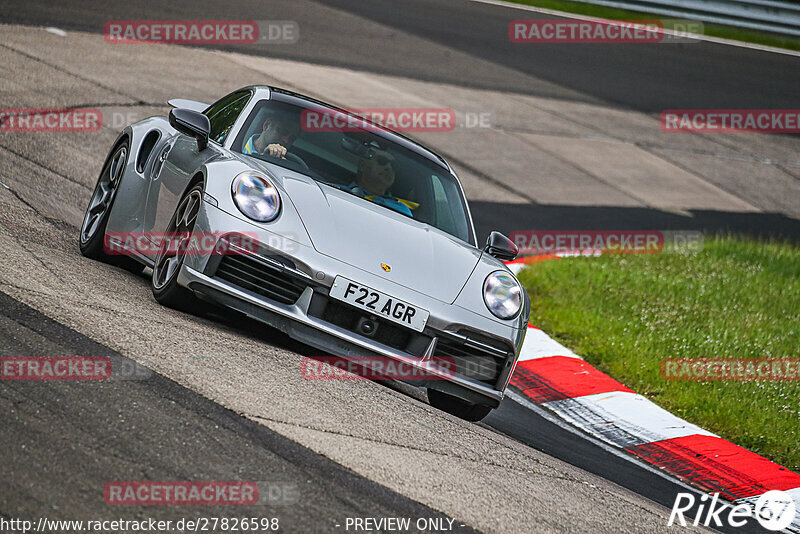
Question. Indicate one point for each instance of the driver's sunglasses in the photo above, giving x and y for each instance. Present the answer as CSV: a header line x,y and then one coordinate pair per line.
x,y
382,160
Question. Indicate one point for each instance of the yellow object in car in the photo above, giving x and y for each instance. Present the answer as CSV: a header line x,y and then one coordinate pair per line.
x,y
411,205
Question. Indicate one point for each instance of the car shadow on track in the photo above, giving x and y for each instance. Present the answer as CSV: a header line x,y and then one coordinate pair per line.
x,y
241,324
247,326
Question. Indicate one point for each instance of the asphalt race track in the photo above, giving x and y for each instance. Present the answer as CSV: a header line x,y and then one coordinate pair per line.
x,y
429,32
223,398
138,438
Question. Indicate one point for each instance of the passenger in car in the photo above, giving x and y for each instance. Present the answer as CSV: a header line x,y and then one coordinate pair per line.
x,y
374,177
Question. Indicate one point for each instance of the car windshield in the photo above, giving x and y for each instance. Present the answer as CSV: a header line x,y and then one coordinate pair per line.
x,y
344,152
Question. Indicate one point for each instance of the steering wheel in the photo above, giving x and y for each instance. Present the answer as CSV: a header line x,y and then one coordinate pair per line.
x,y
296,159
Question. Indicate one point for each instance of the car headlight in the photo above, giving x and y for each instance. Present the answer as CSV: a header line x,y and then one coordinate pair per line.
x,y
256,197
502,294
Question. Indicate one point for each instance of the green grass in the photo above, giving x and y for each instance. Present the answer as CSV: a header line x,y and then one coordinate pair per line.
x,y
737,298
714,30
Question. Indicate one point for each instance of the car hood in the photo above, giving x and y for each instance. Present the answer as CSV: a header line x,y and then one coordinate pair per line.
x,y
367,236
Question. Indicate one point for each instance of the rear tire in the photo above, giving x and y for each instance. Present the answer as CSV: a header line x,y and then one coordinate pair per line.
x,y
168,263
95,220
455,406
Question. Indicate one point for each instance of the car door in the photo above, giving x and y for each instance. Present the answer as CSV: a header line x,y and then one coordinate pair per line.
x,y
179,159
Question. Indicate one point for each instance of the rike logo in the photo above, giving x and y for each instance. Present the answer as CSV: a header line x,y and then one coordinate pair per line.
x,y
774,510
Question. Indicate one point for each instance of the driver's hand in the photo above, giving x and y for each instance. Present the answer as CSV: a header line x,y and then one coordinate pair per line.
x,y
276,151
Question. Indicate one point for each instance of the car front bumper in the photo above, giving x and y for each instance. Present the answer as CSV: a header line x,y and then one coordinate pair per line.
x,y
317,272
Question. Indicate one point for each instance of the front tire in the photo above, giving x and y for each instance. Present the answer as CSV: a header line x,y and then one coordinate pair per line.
x,y
170,258
455,406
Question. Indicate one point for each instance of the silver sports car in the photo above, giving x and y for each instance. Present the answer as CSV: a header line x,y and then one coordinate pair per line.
x,y
352,239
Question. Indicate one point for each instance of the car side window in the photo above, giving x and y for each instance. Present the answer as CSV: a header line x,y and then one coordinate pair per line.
x,y
450,215
223,114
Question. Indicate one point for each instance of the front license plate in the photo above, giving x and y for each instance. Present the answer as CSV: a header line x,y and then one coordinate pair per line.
x,y
379,304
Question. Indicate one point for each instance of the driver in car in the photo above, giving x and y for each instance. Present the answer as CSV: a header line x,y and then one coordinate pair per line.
x,y
278,133
374,177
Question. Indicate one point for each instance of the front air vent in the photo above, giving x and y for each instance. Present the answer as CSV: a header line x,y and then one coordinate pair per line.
x,y
146,148
257,277
473,358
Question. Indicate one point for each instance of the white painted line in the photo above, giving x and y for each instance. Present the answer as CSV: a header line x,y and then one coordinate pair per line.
x,y
794,493
516,267
697,36
57,31
537,344
623,419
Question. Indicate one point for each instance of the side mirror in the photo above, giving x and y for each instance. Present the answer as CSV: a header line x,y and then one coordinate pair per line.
x,y
501,247
191,123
